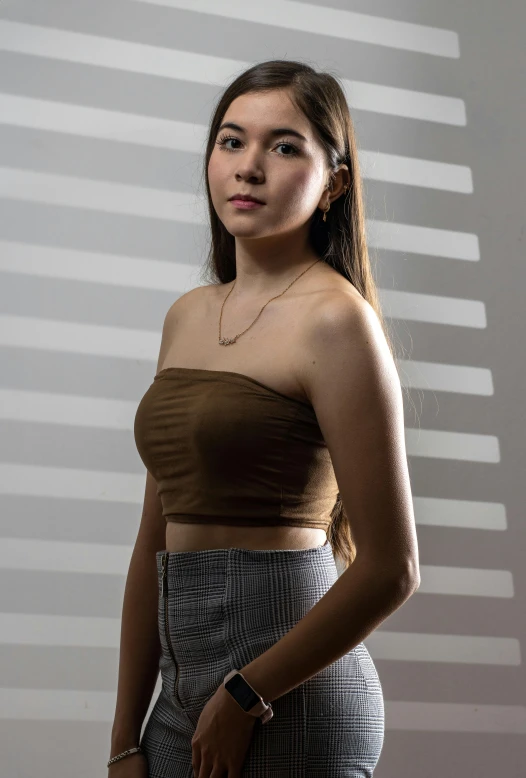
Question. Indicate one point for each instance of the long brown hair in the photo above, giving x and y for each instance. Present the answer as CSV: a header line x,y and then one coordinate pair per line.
x,y
341,240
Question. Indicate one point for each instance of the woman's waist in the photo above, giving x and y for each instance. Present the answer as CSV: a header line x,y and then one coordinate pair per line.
x,y
185,533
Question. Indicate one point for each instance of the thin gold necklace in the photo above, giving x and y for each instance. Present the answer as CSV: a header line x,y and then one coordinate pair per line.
x,y
229,341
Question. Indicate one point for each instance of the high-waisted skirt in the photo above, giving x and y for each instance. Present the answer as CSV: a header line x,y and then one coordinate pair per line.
x,y
219,609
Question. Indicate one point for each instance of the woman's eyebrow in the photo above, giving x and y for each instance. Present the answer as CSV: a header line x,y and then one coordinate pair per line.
x,y
276,131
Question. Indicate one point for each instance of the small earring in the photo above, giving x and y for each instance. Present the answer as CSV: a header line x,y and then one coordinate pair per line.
x,y
345,188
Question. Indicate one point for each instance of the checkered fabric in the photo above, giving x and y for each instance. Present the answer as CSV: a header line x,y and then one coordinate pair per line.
x,y
224,608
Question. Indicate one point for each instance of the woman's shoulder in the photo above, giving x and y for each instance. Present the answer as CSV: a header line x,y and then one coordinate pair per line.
x,y
192,297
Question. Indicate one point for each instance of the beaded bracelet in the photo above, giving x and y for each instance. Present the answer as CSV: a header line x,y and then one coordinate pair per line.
x,y
137,750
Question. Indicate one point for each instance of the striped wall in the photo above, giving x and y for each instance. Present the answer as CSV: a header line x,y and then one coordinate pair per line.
x,y
103,113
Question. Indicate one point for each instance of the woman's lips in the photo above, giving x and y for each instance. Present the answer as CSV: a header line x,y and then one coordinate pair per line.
x,y
246,205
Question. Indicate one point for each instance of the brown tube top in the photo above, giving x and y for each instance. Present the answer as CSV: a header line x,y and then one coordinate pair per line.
x,y
227,449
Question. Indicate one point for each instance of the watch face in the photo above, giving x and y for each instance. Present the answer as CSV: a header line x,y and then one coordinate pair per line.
x,y
242,692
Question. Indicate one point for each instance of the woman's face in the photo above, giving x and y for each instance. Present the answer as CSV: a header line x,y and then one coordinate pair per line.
x,y
287,173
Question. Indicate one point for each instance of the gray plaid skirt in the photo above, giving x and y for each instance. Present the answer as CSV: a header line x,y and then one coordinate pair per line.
x,y
221,608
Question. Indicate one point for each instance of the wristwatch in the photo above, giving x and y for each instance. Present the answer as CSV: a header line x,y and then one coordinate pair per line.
x,y
246,697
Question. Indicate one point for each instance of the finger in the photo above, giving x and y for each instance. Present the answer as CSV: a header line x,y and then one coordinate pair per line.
x,y
220,772
205,767
196,761
234,771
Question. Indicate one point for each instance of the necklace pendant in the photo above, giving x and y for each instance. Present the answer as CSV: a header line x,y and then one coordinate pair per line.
x,y
227,341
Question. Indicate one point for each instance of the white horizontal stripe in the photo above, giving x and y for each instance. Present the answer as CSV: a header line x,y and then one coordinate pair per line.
x,y
121,271
72,410
433,308
81,411
396,169
71,483
88,122
85,121
469,514
103,196
64,556
97,267
423,240
212,71
467,581
147,202
431,511
456,717
323,20
76,338
440,377
426,647
56,705
98,558
35,629
73,705
443,444
67,409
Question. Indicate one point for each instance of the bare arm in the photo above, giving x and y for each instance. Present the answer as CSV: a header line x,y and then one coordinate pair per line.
x,y
140,646
354,388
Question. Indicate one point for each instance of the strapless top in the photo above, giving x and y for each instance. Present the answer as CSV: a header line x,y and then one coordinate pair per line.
x,y
225,448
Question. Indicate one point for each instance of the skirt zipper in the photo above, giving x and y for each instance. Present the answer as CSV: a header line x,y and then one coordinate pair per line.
x,y
164,594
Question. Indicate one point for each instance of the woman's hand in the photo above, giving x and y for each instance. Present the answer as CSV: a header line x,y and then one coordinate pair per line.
x,y
222,737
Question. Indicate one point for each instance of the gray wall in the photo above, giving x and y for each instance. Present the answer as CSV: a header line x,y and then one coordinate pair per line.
x,y
103,107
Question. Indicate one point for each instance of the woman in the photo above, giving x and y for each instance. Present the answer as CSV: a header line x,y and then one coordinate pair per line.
x,y
257,420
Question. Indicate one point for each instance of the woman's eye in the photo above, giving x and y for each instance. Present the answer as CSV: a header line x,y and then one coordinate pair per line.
x,y
224,140
294,149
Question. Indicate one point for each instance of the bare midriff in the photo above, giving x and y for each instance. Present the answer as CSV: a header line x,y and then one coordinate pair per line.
x,y
198,537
